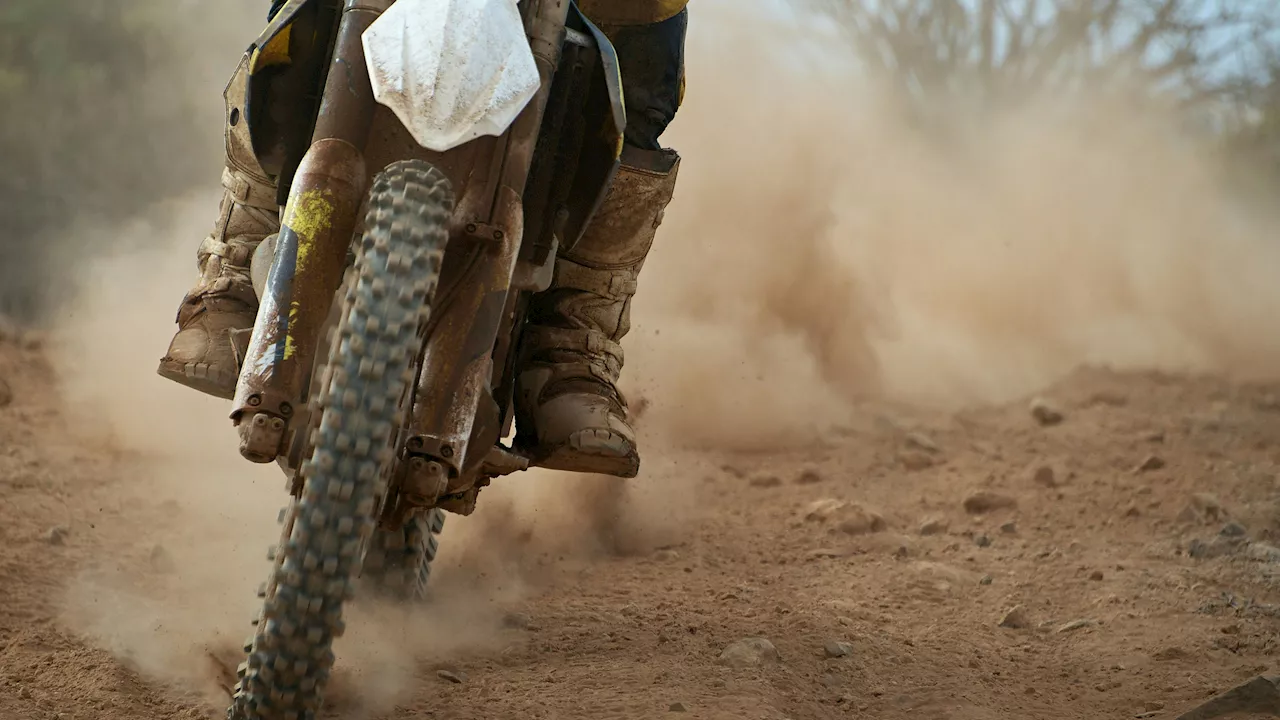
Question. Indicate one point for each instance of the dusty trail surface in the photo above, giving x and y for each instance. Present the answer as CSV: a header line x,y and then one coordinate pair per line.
x,y
879,562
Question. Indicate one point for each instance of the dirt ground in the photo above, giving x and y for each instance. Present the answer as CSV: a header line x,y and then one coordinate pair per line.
x,y
1131,540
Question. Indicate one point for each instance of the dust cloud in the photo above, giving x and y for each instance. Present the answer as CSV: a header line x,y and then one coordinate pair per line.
x,y
822,250
820,253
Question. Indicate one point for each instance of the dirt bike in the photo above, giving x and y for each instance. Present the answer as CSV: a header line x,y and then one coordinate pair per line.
x,y
380,370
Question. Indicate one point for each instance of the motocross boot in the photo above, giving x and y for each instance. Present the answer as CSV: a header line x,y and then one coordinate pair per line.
x,y
201,355
570,414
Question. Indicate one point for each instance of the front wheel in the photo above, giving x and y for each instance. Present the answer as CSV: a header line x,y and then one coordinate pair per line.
x,y
360,407
397,565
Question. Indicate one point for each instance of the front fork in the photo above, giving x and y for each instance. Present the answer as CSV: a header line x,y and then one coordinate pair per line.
x,y
311,250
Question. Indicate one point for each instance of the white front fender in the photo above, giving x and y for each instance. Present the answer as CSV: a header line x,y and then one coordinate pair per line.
x,y
451,70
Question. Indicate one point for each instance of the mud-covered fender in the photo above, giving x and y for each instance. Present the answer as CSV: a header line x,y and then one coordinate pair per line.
x,y
606,112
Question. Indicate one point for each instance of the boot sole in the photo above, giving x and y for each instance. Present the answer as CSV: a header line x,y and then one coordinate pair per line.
x,y
576,455
197,377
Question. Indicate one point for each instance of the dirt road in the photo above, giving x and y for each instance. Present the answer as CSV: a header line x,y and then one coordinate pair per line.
x,y
1115,564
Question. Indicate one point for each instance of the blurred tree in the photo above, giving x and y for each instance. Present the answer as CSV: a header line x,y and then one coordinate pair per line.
x,y
96,121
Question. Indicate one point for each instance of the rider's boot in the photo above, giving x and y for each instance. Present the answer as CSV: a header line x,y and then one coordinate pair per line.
x,y
569,413
201,354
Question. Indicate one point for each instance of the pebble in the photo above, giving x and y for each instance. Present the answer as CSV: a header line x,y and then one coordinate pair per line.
x,y
982,541
676,707
920,441
985,501
666,555
1152,462
1233,530
854,519
1016,619
454,677
6,393
916,460
765,481
749,652
933,526
809,476
1045,412
1009,528
837,649
861,521
1076,625
161,560
1045,476
820,510
1263,552
985,580
1208,506
57,535
517,621
1096,576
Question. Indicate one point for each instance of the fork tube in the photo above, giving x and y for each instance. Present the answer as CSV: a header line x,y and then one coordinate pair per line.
x,y
311,250
457,364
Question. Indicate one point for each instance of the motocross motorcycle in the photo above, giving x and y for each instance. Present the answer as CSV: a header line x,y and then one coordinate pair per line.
x,y
433,157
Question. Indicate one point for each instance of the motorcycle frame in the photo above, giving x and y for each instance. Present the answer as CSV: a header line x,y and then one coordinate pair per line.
x,y
460,406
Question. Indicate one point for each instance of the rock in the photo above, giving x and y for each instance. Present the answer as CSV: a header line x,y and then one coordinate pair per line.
x,y
915,460
1045,413
982,541
666,555
161,560
454,677
676,707
809,476
1259,696
858,520
1009,528
1155,436
984,501
837,649
1170,653
1044,476
1016,618
1263,552
1208,506
765,481
1152,462
1233,530
919,441
851,518
6,393
1096,576
933,526
828,553
821,510
946,576
1076,625
57,535
748,653
517,621
985,580
24,692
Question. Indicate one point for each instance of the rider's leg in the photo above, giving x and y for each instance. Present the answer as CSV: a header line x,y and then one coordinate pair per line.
x,y
200,354
570,414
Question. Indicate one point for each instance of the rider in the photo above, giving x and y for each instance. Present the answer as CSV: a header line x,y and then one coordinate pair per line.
x,y
569,412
